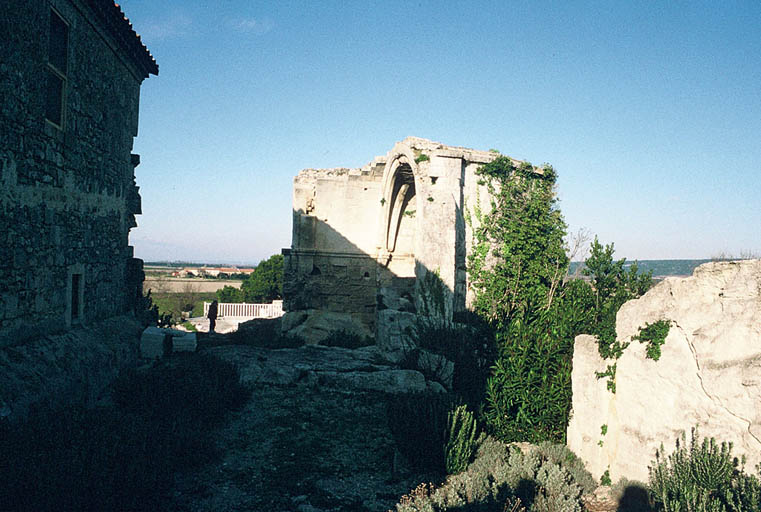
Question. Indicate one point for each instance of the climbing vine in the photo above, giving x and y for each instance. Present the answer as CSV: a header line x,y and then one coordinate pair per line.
x,y
654,335
518,258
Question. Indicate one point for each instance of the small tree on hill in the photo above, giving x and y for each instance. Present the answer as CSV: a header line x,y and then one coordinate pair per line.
x,y
265,283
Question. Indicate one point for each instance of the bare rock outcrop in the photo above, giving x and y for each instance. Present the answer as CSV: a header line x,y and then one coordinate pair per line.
x,y
709,373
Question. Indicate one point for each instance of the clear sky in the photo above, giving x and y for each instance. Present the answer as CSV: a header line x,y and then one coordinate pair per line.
x,y
649,111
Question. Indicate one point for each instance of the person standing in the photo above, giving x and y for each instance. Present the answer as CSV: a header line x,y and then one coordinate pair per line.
x,y
212,315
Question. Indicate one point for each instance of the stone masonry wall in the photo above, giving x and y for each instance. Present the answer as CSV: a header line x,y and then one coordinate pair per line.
x,y
67,196
385,225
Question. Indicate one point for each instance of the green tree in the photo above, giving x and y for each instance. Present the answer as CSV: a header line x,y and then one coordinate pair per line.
x,y
613,285
518,260
230,294
517,268
265,283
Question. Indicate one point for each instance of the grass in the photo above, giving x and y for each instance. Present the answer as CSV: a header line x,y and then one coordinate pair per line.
x,y
122,456
173,302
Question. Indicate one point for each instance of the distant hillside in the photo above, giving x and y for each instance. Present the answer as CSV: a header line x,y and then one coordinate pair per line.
x,y
660,268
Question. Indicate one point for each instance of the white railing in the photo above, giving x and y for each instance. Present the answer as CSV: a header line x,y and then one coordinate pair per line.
x,y
243,310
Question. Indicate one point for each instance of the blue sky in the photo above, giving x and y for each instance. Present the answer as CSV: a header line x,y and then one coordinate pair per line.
x,y
649,111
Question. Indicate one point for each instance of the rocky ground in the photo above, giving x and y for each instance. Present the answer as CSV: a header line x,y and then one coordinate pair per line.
x,y
314,436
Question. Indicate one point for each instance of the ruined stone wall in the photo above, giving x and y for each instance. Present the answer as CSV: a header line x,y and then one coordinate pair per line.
x,y
386,225
67,195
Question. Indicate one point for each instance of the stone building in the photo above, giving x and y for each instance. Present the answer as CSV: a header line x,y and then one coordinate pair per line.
x,y
70,76
393,231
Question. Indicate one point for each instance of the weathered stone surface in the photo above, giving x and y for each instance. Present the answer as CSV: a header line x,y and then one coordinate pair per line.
x,y
435,364
153,342
315,325
707,375
388,381
362,235
68,197
393,331
185,343
75,367
362,369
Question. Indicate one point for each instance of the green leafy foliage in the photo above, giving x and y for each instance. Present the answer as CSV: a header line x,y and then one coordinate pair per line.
x,y
605,478
263,285
230,295
654,335
518,258
702,477
517,268
528,396
422,157
613,285
461,439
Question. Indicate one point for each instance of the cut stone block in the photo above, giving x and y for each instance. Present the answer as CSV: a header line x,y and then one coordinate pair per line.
x,y
185,343
154,343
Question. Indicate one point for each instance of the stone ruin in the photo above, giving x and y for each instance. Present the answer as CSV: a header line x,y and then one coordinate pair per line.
x,y
707,375
391,236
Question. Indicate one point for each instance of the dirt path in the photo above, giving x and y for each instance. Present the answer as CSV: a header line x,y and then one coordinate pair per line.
x,y
297,449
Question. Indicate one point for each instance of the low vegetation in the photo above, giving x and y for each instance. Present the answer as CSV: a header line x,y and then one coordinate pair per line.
x,y
702,476
346,339
120,456
547,478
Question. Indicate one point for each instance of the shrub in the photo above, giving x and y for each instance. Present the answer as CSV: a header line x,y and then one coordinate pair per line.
x,y
418,423
265,283
469,345
461,439
500,476
529,393
702,477
346,339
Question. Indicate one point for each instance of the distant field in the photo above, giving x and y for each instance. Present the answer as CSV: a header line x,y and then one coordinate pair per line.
x,y
660,268
180,285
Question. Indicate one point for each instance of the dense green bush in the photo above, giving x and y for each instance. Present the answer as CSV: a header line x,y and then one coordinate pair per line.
x,y
548,478
702,477
119,457
613,285
265,283
529,393
461,439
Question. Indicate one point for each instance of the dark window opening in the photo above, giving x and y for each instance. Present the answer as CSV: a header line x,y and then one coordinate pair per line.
x,y
58,44
58,62
76,294
54,99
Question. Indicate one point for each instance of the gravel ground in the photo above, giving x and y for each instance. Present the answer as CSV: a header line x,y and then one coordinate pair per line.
x,y
300,449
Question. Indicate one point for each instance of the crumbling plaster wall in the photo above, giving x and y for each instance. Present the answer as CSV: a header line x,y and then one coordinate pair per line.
x,y
386,224
707,374
67,196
